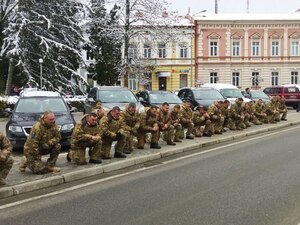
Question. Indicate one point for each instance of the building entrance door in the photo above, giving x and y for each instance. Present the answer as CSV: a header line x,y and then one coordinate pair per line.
x,y
162,81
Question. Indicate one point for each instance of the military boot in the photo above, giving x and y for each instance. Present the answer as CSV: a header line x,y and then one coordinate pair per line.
x,y
96,161
119,155
170,142
176,139
23,165
53,169
155,145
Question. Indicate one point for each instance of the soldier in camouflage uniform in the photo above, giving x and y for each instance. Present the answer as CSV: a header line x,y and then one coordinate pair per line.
x,y
216,117
131,117
259,113
175,121
187,118
226,113
202,122
6,161
87,133
113,128
237,115
271,110
164,123
248,113
43,139
281,108
149,124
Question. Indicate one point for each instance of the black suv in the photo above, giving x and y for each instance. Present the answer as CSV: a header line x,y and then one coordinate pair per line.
x,y
29,108
158,97
111,96
200,96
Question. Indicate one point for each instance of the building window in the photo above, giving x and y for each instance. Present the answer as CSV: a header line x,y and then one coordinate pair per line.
x,y
255,48
162,50
274,78
295,48
147,51
236,79
132,52
275,48
213,77
255,79
183,51
294,77
235,48
213,47
183,80
133,82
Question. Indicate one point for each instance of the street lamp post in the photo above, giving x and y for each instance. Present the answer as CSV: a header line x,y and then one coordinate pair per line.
x,y
41,72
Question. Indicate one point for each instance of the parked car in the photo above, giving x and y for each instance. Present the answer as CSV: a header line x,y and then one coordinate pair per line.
x,y
111,96
148,98
259,94
200,96
30,107
229,91
291,93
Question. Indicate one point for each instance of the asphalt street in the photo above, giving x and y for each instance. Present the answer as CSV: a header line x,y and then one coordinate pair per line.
x,y
251,181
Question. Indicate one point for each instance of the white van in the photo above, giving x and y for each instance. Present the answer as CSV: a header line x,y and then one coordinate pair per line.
x,y
229,91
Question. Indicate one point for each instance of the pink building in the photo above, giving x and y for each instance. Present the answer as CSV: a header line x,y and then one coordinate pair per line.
x,y
247,50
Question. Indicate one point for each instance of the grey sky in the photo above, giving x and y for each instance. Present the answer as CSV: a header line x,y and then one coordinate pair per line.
x,y
236,6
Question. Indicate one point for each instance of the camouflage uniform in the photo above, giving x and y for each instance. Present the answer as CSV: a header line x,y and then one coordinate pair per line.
x,y
271,110
82,138
216,117
259,113
248,113
43,139
175,121
237,117
187,121
110,127
131,126
164,118
202,123
282,109
100,112
6,161
147,121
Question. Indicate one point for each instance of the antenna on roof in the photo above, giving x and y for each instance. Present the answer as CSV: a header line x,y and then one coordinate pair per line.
x,y
247,6
216,7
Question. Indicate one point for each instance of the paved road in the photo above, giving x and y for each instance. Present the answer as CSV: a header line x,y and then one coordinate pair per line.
x,y
246,182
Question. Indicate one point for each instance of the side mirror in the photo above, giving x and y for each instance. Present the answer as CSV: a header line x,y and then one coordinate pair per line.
x,y
8,110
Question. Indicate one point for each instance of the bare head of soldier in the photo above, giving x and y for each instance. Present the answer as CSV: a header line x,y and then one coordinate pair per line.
x,y
92,119
115,112
49,118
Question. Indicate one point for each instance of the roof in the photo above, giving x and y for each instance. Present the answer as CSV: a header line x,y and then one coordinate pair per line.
x,y
37,93
112,88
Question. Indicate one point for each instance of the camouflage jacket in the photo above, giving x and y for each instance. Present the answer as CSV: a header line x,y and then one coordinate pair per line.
x,y
110,126
199,119
41,134
213,110
131,120
83,132
257,109
5,144
186,115
236,111
175,117
148,121
164,118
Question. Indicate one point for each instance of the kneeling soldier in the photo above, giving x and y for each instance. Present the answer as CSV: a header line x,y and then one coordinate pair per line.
x,y
6,161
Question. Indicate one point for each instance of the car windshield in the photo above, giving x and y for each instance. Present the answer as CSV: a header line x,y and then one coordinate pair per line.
x,y
231,93
40,105
207,95
122,96
159,98
259,94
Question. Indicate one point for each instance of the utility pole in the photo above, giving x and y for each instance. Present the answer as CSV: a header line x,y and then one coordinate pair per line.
x,y
216,7
247,6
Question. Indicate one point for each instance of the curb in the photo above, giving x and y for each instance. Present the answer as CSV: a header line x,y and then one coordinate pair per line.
x,y
18,189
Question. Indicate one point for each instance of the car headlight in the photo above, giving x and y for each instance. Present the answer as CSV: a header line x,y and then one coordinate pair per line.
x,y
15,129
67,127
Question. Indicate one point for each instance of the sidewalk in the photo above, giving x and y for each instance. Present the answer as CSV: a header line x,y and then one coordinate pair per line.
x,y
18,183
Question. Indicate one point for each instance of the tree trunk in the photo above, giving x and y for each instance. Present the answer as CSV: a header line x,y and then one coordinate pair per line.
x,y
2,73
10,76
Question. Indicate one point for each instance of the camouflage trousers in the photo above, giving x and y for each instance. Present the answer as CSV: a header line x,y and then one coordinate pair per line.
x,y
36,165
130,142
272,118
255,120
5,167
236,124
284,114
262,118
168,135
77,153
203,128
141,137
179,133
217,125
189,127
107,142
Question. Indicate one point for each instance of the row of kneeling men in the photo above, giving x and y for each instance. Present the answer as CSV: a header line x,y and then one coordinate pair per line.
x,y
97,131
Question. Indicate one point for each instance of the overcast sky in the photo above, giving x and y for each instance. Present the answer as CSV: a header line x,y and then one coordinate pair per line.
x,y
236,6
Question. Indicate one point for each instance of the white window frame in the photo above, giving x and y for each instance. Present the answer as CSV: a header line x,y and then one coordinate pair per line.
x,y
294,77
295,47
213,48
132,51
255,47
133,82
147,51
213,77
274,78
183,51
236,48
162,53
255,79
275,48
236,78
